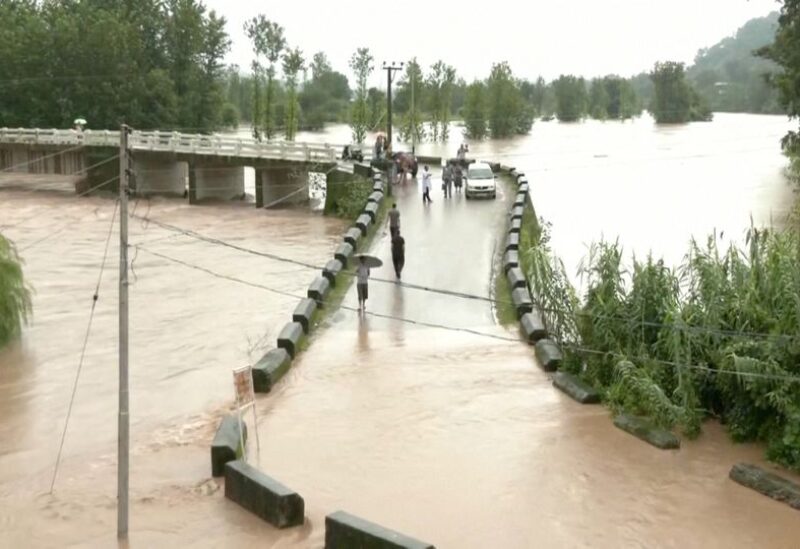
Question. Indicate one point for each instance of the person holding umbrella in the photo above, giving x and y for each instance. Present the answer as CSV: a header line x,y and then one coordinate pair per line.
x,y
365,262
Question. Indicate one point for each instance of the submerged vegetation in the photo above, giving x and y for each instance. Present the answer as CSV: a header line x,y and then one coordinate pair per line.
x,y
719,335
15,295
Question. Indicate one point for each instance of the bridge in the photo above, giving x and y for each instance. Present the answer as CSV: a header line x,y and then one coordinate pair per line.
x,y
169,163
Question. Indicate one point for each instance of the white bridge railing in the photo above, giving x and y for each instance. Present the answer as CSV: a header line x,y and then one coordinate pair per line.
x,y
213,145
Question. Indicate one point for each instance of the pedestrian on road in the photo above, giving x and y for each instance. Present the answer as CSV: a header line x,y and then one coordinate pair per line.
x,y
362,279
398,254
458,177
447,181
394,221
426,185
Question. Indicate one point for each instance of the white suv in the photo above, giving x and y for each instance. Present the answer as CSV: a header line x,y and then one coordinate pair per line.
x,y
480,181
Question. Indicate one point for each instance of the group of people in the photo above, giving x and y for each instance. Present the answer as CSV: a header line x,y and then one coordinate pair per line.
x,y
452,175
398,259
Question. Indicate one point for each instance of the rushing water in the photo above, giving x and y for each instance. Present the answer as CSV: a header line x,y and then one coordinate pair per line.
x,y
452,436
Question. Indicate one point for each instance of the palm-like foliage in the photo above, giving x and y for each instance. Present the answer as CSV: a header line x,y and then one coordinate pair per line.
x,y
15,296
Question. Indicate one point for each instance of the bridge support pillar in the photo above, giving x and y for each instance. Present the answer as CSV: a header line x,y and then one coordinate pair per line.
x,y
157,176
41,159
215,182
281,186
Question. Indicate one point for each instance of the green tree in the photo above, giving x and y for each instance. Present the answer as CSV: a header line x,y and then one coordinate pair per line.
x,y
675,101
268,41
361,65
15,295
598,99
411,95
320,65
376,100
571,98
326,97
474,111
440,83
293,63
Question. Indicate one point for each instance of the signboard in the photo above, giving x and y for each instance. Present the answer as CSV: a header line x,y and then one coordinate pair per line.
x,y
243,386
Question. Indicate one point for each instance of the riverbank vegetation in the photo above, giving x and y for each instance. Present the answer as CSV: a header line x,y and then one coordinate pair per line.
x,y
15,294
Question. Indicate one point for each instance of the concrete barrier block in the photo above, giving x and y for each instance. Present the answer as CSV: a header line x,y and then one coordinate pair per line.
x,y
522,180
524,188
510,259
363,222
269,369
516,278
289,337
319,289
263,496
576,388
548,354
522,301
533,327
769,484
520,176
343,253
304,311
512,241
371,209
227,444
519,199
332,270
377,186
515,226
353,237
643,429
517,212
376,196
346,531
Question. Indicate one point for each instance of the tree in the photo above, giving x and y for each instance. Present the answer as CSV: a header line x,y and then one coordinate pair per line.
x,y
474,111
320,65
598,99
268,41
505,102
326,97
440,84
361,65
15,295
293,63
571,98
675,101
410,98
376,100
785,51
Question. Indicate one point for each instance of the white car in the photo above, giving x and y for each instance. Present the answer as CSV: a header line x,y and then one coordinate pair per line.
x,y
481,181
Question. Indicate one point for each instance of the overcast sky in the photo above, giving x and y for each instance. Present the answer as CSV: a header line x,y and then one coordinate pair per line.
x,y
585,37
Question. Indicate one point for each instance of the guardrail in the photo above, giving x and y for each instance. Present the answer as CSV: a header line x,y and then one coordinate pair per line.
x,y
214,145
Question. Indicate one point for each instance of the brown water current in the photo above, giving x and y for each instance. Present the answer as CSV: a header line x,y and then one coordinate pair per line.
x,y
449,435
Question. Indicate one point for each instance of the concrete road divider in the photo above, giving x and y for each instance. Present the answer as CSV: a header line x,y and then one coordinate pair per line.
x,y
769,484
523,188
290,337
332,270
519,199
517,212
343,253
576,388
263,496
515,226
227,444
522,301
304,311
353,237
520,176
377,186
510,259
515,278
270,369
319,290
376,196
363,222
642,428
371,209
512,241
548,354
522,180
533,327
346,531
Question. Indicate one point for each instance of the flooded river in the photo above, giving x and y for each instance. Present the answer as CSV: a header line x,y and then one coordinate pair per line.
x,y
451,434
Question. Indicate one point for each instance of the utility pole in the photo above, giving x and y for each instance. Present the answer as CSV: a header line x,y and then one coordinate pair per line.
x,y
123,421
390,68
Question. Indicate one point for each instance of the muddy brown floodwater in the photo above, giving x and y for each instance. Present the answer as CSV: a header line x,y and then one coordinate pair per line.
x,y
452,434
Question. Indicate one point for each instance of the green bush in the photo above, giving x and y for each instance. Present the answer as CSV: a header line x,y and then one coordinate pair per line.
x,y
346,199
15,298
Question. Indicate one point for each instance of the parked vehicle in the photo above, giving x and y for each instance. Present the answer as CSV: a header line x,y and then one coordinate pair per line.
x,y
481,181
353,152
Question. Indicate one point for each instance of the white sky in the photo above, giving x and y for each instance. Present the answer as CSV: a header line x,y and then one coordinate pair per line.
x,y
585,37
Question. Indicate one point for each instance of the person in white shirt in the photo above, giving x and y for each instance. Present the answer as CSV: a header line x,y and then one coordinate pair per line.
x,y
362,279
426,185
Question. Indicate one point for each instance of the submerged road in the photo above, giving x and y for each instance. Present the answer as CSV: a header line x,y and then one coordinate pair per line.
x,y
460,440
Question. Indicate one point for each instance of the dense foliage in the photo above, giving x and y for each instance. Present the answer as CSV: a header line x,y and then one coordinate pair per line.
x,y
149,63
674,100
15,297
718,335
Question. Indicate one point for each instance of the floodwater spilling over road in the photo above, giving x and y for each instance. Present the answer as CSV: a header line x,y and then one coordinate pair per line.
x,y
440,425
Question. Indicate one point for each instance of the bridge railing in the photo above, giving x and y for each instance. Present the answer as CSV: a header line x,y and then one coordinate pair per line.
x,y
214,145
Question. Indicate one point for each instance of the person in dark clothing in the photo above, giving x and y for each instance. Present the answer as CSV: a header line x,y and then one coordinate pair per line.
x,y
398,254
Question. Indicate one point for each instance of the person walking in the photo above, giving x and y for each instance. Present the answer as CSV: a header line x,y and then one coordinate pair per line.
x,y
398,254
447,181
362,281
394,221
426,185
458,177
